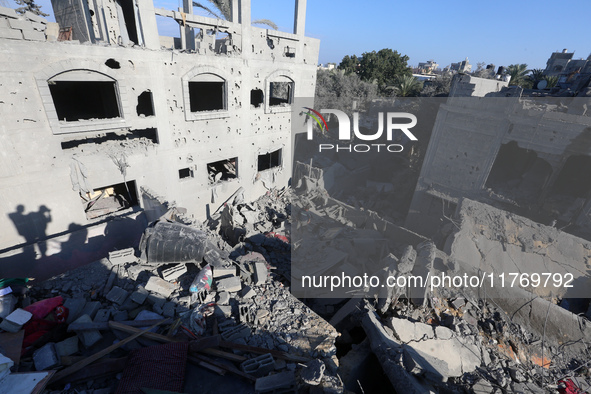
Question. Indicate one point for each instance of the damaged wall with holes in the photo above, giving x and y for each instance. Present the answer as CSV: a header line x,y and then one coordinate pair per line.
x,y
520,154
86,128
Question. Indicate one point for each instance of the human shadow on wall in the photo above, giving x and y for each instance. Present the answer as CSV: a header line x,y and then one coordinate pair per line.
x,y
32,226
77,246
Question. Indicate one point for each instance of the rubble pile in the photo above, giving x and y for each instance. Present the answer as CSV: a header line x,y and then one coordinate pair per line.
x,y
188,286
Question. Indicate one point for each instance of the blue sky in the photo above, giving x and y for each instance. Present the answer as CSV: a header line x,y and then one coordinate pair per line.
x,y
501,32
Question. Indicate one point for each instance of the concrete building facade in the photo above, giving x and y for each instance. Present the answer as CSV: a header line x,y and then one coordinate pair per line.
x,y
97,125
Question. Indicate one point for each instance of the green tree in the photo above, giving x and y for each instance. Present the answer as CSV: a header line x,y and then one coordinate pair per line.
x,y
338,90
29,5
552,80
349,64
438,86
383,67
223,10
406,86
518,73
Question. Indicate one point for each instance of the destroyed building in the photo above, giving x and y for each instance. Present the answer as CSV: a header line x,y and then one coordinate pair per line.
x,y
519,153
101,115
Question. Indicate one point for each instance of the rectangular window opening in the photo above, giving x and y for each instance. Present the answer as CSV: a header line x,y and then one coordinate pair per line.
x,y
109,199
269,160
185,173
148,134
223,170
206,96
83,100
280,93
145,104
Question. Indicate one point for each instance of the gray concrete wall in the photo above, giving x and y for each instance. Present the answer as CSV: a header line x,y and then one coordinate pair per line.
x,y
35,171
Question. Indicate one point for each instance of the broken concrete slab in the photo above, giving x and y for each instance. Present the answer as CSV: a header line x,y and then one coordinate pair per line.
x,y
140,295
75,307
88,337
231,285
67,347
160,286
102,315
91,309
313,372
46,357
274,383
223,272
117,295
260,273
16,320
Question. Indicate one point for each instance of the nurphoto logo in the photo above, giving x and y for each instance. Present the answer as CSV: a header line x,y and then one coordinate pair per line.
x,y
392,125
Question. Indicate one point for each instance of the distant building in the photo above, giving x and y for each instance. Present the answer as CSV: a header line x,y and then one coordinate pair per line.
x,y
462,67
329,66
428,67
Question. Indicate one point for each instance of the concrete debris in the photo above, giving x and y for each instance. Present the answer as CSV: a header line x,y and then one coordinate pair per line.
x,y
173,273
46,357
230,285
122,256
16,320
280,382
67,347
313,372
160,286
117,295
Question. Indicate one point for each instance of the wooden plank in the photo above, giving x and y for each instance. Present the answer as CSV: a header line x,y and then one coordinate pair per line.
x,y
81,364
226,367
115,325
99,369
261,350
220,353
105,325
12,345
201,363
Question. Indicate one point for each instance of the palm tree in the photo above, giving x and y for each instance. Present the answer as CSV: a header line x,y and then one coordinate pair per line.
x,y
518,73
406,85
224,11
552,81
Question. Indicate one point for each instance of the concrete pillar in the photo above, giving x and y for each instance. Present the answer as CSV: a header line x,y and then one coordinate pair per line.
x,y
188,34
299,22
245,27
235,16
148,27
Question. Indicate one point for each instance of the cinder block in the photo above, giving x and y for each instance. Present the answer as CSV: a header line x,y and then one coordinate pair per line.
x,y
6,32
9,12
174,273
160,286
16,320
122,256
231,285
236,332
67,347
274,383
259,366
46,357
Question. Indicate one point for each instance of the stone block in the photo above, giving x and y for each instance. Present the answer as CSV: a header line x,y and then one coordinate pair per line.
x,y
6,32
20,24
231,285
247,292
260,273
160,286
9,12
274,383
35,18
16,320
117,295
91,308
46,357
139,296
67,347
123,256
173,273
75,307
223,272
88,337
102,315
